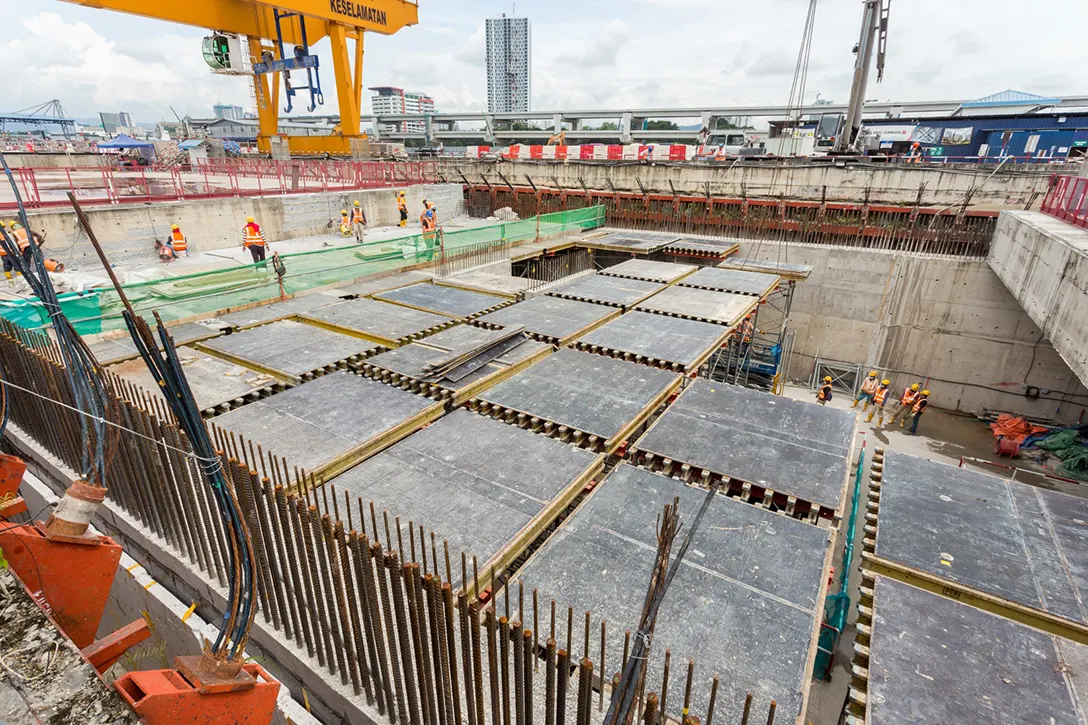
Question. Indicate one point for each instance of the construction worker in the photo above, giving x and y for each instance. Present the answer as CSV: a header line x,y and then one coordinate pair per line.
x,y
917,409
868,388
177,241
915,153
426,222
906,402
434,211
358,221
253,239
345,223
402,207
824,394
879,398
20,237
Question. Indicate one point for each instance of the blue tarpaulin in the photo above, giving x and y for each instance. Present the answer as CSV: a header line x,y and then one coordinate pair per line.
x,y
121,141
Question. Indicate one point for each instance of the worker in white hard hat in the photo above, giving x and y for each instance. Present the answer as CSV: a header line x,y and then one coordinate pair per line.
x,y
868,388
824,394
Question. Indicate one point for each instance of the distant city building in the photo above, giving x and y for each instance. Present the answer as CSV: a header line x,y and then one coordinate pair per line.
x,y
508,71
389,100
110,122
126,120
229,112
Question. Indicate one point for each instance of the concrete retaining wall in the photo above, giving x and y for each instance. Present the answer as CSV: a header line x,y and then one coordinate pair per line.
x,y
1044,263
127,231
887,184
55,161
949,323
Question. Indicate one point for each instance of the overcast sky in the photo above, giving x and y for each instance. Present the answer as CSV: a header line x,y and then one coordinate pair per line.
x,y
586,54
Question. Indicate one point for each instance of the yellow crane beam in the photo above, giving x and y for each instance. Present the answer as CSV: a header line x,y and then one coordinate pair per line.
x,y
339,20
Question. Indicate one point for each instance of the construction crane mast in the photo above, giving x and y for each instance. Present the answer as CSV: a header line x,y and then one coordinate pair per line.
x,y
265,27
874,35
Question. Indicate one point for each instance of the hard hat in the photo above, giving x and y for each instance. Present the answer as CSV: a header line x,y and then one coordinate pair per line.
x,y
249,220
827,378
915,144
872,373
343,211
356,203
174,227
885,381
914,387
13,223
925,392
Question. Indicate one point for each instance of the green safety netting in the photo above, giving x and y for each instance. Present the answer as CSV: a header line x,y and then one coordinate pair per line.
x,y
175,298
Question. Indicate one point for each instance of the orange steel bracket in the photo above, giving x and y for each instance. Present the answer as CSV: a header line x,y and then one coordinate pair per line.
x,y
70,581
104,653
12,469
181,697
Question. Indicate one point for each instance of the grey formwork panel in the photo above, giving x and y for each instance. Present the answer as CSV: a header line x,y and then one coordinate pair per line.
x,y
488,488
333,422
745,605
119,349
488,282
217,385
935,661
703,247
444,300
981,533
383,284
651,271
667,342
732,280
613,291
382,322
279,310
786,270
781,447
552,319
635,242
405,365
600,400
287,349
723,308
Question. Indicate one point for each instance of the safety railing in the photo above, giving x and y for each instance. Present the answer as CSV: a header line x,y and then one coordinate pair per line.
x,y
44,188
1067,199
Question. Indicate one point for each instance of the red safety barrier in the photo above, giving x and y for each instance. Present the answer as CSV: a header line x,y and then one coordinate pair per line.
x,y
615,153
536,152
560,152
678,152
585,152
1067,199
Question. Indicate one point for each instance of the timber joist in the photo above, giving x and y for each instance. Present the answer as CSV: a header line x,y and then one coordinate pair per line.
x,y
697,318
252,396
700,251
720,288
539,337
765,498
552,429
590,300
632,357
406,382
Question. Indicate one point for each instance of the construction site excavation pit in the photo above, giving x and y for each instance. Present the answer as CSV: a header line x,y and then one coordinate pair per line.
x,y
483,487
585,399
288,350
774,451
746,604
331,423
413,366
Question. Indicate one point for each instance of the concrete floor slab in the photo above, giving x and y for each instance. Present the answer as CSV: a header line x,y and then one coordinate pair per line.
x,y
552,319
406,365
786,270
603,400
217,385
331,423
444,300
487,488
279,310
672,343
746,604
1022,543
934,661
793,448
488,282
373,286
288,349
634,242
604,290
723,308
118,349
382,322
732,280
649,270
703,247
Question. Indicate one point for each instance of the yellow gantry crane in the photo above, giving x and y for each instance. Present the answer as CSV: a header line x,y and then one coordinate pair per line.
x,y
267,27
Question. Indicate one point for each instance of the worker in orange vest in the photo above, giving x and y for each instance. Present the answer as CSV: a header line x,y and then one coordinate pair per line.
x,y
879,398
177,241
868,388
906,402
824,394
253,239
402,207
345,223
426,222
916,411
18,235
358,221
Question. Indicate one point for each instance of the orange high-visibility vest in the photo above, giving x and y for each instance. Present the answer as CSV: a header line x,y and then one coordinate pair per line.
x,y
426,222
825,393
920,405
178,241
401,206
21,237
880,395
252,235
344,220
357,215
869,385
908,397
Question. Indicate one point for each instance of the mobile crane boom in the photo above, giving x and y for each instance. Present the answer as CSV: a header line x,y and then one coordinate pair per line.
x,y
874,35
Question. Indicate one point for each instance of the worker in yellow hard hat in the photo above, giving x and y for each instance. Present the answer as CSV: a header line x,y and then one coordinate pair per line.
x,y
358,221
177,240
905,403
345,223
402,207
917,409
868,387
824,393
253,239
19,235
879,398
